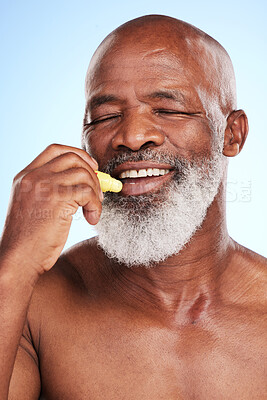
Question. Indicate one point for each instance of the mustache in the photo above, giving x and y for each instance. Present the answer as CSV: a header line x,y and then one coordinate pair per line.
x,y
176,163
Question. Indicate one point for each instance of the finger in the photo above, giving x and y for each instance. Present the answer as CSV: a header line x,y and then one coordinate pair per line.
x,y
67,163
70,160
84,196
78,176
55,150
92,216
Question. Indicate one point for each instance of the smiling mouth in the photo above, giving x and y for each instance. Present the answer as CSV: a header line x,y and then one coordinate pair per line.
x,y
143,180
143,173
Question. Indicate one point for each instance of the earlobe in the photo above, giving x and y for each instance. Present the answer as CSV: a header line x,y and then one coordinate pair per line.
x,y
235,133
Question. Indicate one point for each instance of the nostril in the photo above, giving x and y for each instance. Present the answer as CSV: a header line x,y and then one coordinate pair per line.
x,y
142,147
148,144
122,147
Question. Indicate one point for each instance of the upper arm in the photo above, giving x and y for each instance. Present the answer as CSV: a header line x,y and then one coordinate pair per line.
x,y
25,382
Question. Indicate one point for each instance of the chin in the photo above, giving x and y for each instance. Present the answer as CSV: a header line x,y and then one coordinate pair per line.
x,y
147,229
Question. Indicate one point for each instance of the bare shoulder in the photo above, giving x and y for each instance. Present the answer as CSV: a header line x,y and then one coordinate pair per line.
x,y
247,283
254,264
73,266
250,259
68,283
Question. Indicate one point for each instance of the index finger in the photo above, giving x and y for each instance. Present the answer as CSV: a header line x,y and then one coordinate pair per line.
x,y
55,150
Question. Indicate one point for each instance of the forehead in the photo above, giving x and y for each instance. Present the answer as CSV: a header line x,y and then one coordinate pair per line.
x,y
143,65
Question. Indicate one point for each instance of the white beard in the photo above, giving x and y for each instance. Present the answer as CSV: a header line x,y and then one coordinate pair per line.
x,y
147,229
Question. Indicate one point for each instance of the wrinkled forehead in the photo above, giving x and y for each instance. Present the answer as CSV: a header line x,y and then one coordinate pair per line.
x,y
158,58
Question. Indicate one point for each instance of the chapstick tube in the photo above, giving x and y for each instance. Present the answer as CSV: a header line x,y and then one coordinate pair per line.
x,y
107,183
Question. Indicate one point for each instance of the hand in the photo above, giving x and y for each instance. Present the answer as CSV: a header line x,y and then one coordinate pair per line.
x,y
44,197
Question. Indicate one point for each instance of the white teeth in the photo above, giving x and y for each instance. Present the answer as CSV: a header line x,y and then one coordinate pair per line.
x,y
142,173
133,173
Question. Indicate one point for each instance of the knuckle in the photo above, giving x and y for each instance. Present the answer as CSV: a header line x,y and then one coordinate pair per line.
x,y
83,173
53,147
18,176
72,157
23,185
85,190
26,180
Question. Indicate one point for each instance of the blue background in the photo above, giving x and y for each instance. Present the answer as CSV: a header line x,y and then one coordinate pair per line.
x,y
45,50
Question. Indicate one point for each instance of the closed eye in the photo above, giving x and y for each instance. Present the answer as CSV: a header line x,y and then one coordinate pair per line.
x,y
102,119
173,112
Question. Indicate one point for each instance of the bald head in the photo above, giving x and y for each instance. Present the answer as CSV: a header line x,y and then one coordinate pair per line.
x,y
197,56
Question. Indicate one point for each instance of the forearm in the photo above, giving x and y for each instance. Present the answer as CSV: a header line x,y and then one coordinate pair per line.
x,y
16,287
35,232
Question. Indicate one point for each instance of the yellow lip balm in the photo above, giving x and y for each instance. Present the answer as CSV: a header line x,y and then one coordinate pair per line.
x,y
107,183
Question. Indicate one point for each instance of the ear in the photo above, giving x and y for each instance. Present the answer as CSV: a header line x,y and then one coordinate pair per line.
x,y
235,133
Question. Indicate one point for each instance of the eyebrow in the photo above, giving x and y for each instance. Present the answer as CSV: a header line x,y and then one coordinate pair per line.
x,y
97,101
171,94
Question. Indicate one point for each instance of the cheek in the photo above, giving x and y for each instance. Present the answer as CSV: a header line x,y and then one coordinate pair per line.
x,y
99,145
190,136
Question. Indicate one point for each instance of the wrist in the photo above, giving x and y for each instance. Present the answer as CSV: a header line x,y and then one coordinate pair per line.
x,y
15,268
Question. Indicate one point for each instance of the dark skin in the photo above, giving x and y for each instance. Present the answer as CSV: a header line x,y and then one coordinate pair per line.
x,y
192,327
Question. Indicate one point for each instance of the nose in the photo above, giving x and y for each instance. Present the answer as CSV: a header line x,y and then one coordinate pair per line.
x,y
137,132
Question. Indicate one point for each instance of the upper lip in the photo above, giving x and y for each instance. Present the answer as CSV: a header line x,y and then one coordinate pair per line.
x,y
137,165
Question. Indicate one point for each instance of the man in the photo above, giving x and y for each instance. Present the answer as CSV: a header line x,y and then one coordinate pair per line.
x,y
163,304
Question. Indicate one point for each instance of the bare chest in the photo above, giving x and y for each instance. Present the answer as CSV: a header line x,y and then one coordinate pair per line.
x,y
114,358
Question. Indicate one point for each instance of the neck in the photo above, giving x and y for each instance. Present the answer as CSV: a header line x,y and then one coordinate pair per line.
x,y
185,287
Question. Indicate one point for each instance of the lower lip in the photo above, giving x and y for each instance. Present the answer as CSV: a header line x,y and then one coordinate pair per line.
x,y
149,184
